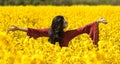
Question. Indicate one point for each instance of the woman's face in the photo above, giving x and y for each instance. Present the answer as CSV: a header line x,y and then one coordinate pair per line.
x,y
65,24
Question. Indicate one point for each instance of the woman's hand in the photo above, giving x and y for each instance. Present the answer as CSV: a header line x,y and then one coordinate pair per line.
x,y
102,20
14,28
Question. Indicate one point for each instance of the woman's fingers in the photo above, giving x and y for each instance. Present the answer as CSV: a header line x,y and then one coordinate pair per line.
x,y
11,29
102,20
14,28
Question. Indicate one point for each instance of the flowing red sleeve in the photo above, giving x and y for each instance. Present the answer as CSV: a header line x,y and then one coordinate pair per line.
x,y
35,33
91,29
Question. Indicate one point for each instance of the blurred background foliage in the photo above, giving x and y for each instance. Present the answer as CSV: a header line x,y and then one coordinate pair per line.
x,y
59,2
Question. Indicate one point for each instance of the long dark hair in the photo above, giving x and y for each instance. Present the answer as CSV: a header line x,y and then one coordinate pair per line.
x,y
56,30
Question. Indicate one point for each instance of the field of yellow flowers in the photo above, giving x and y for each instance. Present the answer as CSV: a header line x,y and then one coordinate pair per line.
x,y
18,48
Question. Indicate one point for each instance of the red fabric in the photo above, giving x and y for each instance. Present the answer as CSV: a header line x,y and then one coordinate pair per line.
x,y
91,29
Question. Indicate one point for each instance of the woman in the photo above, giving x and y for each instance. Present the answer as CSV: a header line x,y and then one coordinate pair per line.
x,y
56,32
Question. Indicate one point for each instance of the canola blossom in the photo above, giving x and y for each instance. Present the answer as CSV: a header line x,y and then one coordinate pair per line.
x,y
17,48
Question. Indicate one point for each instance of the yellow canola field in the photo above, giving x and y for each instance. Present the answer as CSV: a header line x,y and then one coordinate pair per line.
x,y
18,48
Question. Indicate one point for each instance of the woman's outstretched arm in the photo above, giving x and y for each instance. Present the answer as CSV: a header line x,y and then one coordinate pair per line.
x,y
15,28
91,29
31,32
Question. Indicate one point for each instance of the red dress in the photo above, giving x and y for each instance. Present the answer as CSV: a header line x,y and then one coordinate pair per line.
x,y
91,29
